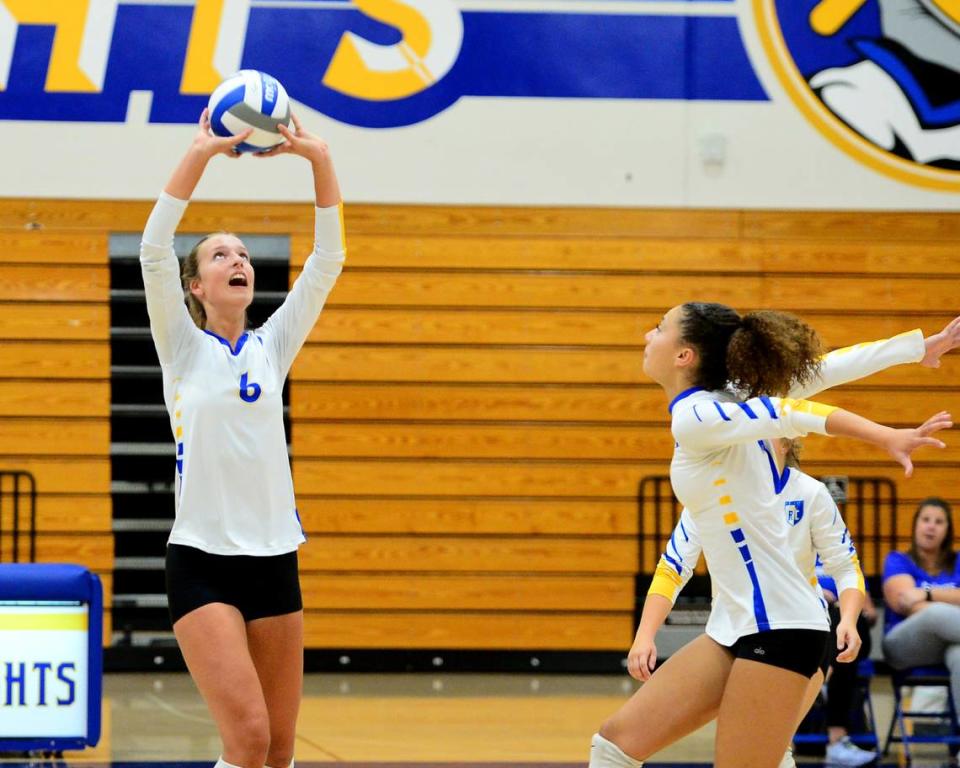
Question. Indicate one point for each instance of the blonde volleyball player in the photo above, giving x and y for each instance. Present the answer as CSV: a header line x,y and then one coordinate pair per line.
x,y
232,576
767,631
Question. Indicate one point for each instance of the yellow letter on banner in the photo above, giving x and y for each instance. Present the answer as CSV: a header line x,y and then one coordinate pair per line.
x,y
81,40
950,8
215,49
432,33
829,15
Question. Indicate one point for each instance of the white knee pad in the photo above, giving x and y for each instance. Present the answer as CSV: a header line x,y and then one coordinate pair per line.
x,y
221,763
606,754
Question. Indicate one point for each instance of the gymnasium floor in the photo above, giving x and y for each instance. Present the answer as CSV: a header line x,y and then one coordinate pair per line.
x,y
417,721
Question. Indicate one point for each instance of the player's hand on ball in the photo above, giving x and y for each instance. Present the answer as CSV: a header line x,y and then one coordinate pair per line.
x,y
299,142
209,145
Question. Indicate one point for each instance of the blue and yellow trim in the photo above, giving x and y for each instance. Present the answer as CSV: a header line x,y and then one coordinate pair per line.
x,y
740,540
21,622
666,581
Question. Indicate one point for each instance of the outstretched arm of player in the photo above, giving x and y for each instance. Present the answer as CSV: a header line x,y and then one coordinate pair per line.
x,y
862,360
204,147
705,426
170,323
311,147
899,443
288,327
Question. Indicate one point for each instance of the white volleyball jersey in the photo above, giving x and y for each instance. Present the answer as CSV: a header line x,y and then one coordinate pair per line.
x,y
234,491
814,527
723,471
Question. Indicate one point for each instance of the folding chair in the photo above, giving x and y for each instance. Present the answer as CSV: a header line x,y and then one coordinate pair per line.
x,y
900,733
864,730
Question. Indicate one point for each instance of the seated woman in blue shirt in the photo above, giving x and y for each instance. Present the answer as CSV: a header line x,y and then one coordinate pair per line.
x,y
921,588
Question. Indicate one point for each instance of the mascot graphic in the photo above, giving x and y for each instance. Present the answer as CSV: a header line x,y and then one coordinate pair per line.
x,y
880,78
904,93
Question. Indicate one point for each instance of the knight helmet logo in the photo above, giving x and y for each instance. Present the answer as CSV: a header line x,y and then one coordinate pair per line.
x,y
879,78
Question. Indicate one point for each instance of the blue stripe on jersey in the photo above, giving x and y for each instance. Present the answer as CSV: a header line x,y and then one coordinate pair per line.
x,y
747,410
847,537
784,479
685,393
759,607
673,562
695,413
737,535
779,481
684,532
299,522
240,342
769,406
674,545
720,411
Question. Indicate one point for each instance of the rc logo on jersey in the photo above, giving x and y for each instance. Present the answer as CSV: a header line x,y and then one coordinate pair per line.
x,y
794,510
879,78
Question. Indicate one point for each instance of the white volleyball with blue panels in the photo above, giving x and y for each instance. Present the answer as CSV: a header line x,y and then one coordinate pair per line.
x,y
250,99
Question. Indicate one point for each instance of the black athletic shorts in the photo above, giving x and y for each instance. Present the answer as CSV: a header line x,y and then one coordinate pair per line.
x,y
829,653
256,586
799,650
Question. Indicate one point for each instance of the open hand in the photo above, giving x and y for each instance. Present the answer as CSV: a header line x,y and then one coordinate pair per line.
x,y
903,442
209,145
299,142
940,343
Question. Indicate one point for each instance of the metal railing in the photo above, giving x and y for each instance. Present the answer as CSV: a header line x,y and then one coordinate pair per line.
x,y
18,494
868,506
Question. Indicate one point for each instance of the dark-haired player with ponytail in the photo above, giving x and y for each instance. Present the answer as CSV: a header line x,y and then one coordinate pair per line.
x,y
728,380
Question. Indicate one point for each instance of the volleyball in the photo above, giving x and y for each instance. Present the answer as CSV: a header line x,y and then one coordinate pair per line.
x,y
250,99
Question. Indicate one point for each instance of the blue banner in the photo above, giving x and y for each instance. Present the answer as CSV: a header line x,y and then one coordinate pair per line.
x,y
318,52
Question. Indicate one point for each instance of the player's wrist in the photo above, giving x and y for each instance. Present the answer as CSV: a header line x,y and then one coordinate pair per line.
x,y
201,151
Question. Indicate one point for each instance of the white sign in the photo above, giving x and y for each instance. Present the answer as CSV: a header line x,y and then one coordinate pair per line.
x,y
43,671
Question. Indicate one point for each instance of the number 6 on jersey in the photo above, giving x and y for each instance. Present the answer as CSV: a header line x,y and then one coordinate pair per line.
x,y
249,391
